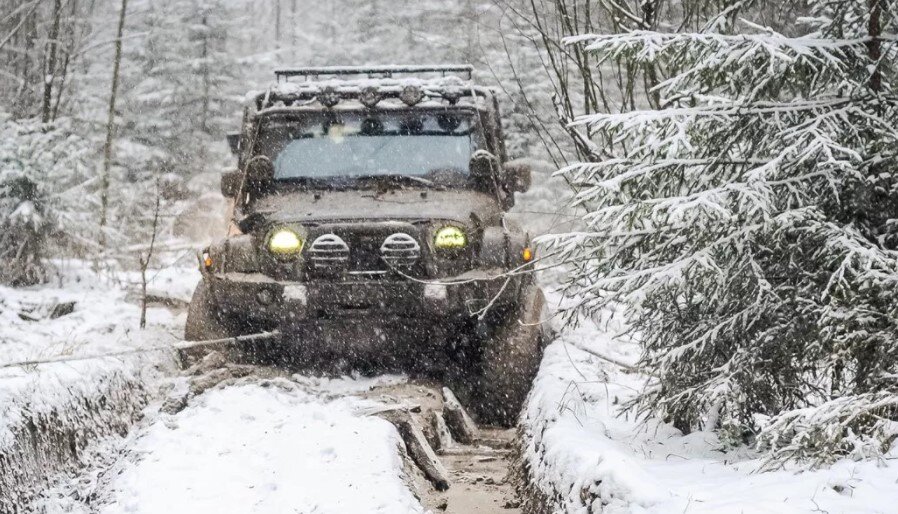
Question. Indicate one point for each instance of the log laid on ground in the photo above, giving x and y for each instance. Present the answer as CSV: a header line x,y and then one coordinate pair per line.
x,y
47,310
442,435
460,424
482,451
418,447
212,360
212,378
62,309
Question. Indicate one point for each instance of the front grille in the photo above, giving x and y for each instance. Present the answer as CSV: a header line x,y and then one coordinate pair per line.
x,y
400,250
329,251
365,250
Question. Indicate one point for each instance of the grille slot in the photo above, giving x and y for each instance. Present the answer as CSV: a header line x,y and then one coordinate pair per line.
x,y
329,251
400,250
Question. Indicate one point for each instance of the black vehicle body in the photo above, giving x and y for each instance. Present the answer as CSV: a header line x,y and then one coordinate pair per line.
x,y
372,281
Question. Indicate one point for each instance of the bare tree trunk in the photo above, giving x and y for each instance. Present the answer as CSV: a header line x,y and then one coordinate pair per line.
x,y
145,261
110,125
50,68
72,41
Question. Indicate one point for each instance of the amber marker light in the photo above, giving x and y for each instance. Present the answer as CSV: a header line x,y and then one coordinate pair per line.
x,y
207,260
527,254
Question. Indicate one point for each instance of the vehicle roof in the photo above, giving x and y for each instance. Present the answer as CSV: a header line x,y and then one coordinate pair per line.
x,y
307,95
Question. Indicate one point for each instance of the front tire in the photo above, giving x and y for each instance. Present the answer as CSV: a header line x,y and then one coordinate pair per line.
x,y
204,322
510,361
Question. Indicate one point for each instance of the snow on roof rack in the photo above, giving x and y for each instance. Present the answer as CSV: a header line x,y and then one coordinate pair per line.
x,y
375,71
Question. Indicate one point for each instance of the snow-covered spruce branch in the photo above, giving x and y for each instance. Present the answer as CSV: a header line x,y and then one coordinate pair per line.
x,y
721,110
749,226
648,38
861,425
747,65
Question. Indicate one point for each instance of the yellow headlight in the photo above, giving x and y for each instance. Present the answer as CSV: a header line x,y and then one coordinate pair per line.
x,y
284,241
450,237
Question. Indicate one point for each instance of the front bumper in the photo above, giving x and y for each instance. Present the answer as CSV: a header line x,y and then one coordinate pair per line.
x,y
263,301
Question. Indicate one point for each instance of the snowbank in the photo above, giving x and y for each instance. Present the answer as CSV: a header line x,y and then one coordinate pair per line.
x,y
49,418
583,456
267,446
50,413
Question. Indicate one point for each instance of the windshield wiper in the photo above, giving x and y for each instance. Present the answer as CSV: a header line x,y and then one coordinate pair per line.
x,y
302,179
395,178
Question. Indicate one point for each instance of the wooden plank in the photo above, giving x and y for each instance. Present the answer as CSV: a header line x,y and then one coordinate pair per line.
x,y
460,424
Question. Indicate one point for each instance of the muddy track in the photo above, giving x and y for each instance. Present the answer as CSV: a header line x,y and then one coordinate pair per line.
x,y
476,460
480,478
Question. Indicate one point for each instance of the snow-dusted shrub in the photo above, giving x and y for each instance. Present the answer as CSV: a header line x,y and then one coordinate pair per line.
x,y
750,223
41,168
23,228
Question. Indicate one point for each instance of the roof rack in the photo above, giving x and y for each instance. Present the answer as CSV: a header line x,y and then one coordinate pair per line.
x,y
375,71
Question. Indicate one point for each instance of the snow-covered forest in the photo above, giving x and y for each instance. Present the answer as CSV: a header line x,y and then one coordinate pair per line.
x,y
715,210
183,69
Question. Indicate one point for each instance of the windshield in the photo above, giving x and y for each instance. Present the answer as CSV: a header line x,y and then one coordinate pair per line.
x,y
434,147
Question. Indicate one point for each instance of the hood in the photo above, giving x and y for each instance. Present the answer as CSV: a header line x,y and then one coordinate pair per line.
x,y
460,205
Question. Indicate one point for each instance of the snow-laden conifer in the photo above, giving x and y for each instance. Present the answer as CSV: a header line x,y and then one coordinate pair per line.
x,y
181,89
42,199
749,225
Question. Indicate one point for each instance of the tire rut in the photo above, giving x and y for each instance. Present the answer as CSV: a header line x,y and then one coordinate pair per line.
x,y
478,472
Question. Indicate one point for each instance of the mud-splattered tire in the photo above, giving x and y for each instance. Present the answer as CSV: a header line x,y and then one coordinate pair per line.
x,y
510,361
203,323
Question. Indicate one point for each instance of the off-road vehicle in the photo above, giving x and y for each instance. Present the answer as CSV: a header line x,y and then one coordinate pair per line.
x,y
369,227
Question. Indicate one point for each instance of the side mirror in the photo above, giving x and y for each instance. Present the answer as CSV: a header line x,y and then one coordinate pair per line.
x,y
234,143
250,223
260,169
483,165
518,175
230,183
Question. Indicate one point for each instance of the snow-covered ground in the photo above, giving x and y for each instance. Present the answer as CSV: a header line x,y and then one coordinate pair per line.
x,y
297,444
583,452
279,444
76,401
269,447
101,322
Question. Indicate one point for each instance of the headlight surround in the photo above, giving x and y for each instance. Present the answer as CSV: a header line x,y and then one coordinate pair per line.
x,y
450,237
284,242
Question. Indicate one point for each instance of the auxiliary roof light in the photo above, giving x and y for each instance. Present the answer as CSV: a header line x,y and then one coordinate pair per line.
x,y
370,96
450,237
411,95
452,95
329,97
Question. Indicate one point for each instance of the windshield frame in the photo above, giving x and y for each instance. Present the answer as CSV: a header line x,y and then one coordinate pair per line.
x,y
480,138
